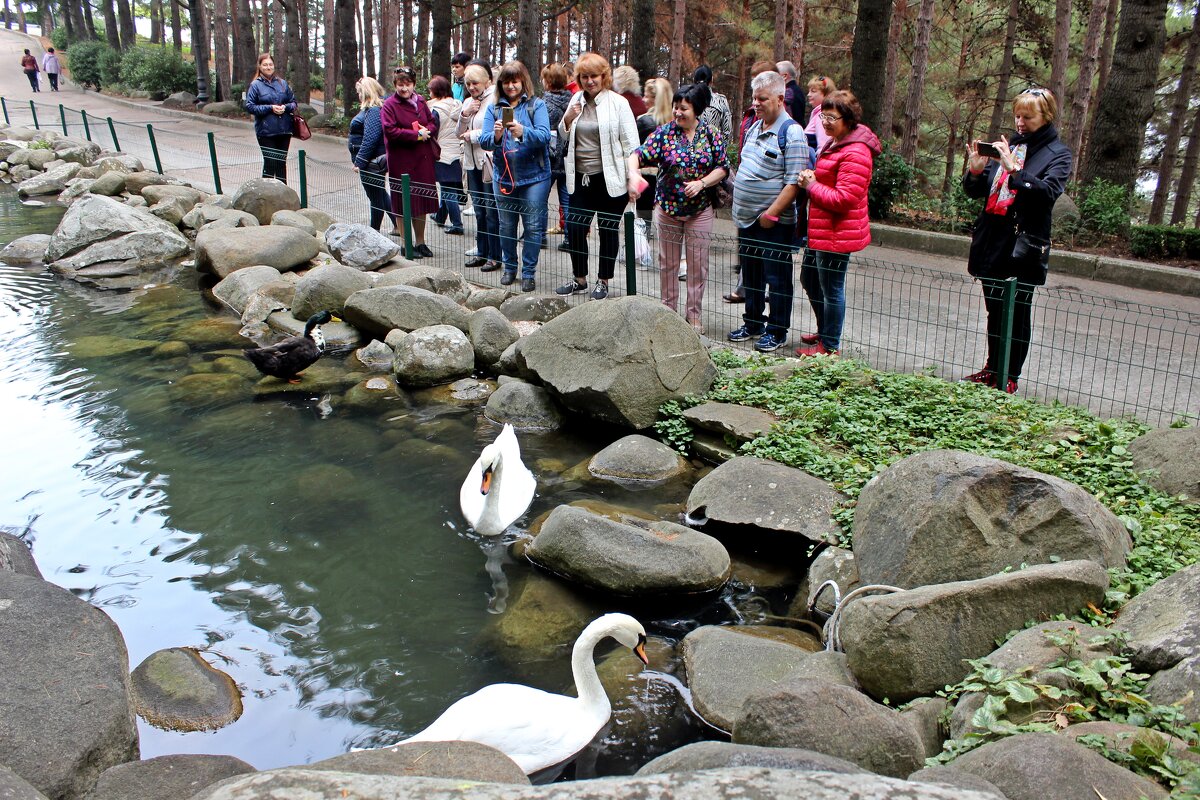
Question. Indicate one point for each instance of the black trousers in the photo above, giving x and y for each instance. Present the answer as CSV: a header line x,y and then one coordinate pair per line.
x,y
33,79
589,199
376,187
53,76
274,150
1022,329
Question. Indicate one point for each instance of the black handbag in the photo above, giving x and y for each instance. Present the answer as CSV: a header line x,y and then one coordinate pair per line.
x,y
1029,249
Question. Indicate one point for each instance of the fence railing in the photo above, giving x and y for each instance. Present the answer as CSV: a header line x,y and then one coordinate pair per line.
x,y
1112,356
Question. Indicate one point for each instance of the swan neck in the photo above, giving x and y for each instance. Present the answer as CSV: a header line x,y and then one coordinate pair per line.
x,y
583,667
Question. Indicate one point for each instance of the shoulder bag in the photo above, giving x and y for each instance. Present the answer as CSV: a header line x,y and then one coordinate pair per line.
x,y
300,128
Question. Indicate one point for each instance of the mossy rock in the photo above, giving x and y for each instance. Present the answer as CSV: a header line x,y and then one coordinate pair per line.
x,y
175,689
108,346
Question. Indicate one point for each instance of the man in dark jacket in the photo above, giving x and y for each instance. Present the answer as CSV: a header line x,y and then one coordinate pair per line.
x,y
794,98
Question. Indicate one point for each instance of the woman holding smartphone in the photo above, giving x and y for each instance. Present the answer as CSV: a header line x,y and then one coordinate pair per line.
x,y
411,129
1021,178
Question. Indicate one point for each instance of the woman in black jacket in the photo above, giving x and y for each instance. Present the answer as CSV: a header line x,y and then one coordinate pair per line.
x,y
270,100
1021,178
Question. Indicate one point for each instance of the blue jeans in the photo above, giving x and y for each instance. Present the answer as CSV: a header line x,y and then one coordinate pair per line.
x,y
487,221
451,196
766,257
528,204
823,277
559,179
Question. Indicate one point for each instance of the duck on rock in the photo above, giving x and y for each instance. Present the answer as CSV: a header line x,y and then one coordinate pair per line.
x,y
295,354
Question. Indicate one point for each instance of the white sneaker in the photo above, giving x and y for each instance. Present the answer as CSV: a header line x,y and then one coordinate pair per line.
x,y
469,211
472,253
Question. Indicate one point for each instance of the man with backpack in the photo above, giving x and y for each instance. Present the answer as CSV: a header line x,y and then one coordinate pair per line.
x,y
774,153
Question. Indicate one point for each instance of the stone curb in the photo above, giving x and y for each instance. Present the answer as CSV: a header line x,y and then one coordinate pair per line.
x,y
1135,274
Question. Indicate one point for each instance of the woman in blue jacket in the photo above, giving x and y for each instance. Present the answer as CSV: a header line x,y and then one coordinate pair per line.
x,y
272,103
521,169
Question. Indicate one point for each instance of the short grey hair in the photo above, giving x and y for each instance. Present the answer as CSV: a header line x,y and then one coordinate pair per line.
x,y
787,69
773,82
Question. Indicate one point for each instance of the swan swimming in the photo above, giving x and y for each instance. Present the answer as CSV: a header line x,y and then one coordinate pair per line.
x,y
499,487
534,728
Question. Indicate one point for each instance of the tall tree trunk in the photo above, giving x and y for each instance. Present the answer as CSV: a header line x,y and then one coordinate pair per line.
x,y
329,79
156,22
368,42
1106,49
409,36
779,46
953,135
916,85
176,25
887,103
199,48
297,57
1062,50
551,48
86,20
1187,175
422,35
605,43
643,52
347,54
800,34
1001,105
111,33
278,39
125,18
21,24
529,35
442,17
1179,108
221,50
8,16
68,23
678,19
869,56
564,37
264,39
1082,100
1125,105
244,56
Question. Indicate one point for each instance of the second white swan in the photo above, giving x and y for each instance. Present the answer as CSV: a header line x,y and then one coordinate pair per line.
x,y
499,487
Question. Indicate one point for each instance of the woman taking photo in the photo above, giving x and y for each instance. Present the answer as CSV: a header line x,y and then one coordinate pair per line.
x,y
477,164
410,128
272,103
838,223
691,160
368,152
601,133
448,167
1021,178
520,141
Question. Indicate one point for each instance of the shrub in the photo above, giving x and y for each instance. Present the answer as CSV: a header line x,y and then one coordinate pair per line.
x,y
90,64
1164,241
58,38
960,209
890,181
1103,207
156,69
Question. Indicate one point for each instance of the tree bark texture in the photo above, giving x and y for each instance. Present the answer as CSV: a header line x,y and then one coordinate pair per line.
x,y
176,25
916,86
800,34
1001,106
125,18
887,103
221,50
199,27
529,37
678,20
244,56
1187,173
869,57
156,22
1082,99
112,34
347,54
442,13
643,54
779,46
329,79
1179,109
1062,49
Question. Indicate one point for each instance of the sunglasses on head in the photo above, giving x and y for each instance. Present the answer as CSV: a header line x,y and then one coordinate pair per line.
x,y
405,72
1036,92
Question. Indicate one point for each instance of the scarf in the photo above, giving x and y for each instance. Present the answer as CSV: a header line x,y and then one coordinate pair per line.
x,y
1023,145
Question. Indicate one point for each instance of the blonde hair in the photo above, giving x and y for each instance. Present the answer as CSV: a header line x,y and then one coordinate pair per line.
x,y
625,79
823,84
1041,100
474,73
370,92
661,110
595,64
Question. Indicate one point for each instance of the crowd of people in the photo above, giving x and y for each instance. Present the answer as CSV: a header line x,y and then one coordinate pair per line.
x,y
605,141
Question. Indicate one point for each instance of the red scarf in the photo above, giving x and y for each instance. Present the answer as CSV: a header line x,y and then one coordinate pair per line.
x,y
1000,197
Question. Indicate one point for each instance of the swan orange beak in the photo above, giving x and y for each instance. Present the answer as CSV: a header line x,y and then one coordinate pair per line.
x,y
639,650
486,485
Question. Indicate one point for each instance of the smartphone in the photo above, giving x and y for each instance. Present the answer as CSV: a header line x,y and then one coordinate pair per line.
x,y
506,114
987,150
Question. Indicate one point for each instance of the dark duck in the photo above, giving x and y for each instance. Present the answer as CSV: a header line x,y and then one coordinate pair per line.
x,y
295,354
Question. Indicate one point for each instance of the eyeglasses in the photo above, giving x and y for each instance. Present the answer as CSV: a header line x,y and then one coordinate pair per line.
x,y
828,119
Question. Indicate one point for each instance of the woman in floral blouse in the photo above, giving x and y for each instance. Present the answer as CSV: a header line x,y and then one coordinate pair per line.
x,y
691,160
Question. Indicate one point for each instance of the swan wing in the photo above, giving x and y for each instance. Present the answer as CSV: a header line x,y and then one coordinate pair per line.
x,y
470,499
536,729
516,493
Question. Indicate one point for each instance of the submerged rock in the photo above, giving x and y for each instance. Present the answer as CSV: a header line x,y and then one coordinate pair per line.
x,y
175,689
638,458
524,406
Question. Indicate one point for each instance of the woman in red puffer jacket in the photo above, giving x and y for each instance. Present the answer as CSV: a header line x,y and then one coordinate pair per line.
x,y
838,223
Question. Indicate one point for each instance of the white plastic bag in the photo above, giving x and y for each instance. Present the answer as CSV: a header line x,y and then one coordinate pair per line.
x,y
642,253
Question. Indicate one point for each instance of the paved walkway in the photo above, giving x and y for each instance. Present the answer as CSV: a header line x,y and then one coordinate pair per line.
x,y
1114,349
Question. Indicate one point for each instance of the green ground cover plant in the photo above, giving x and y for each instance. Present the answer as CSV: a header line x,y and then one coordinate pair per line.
x,y
844,422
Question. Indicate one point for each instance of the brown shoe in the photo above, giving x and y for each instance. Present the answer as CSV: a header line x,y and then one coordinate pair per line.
x,y
733,297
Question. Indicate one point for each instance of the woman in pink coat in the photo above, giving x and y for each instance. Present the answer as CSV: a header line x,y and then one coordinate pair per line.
x,y
838,223
410,129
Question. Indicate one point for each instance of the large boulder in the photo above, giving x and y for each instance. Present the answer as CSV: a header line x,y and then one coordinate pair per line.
x,y
725,666
64,699
327,287
533,308
638,459
619,360
755,493
157,193
1125,738
176,689
294,219
380,310
108,184
1161,625
226,250
184,101
524,406
463,761
491,334
1025,766
897,644
52,181
29,249
240,287
1178,685
262,197
953,778
832,719
360,246
99,230
165,776
944,516
436,279
1173,457
15,556
433,355
722,755
742,782
661,558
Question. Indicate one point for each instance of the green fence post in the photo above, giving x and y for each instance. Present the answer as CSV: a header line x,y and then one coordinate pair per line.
x,y
212,154
33,108
406,205
303,180
154,148
112,129
630,256
87,129
62,115
1006,329
4,105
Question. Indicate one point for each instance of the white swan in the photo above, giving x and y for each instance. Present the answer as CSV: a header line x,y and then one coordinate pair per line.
x,y
499,487
538,729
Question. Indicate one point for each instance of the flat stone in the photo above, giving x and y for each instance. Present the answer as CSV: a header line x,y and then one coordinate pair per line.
x,y
108,346
637,458
165,777
464,761
723,755
175,689
741,422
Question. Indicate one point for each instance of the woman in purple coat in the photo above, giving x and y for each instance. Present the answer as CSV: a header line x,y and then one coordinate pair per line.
x,y
410,129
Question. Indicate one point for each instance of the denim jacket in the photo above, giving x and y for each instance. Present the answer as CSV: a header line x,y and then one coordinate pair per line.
x,y
261,96
525,162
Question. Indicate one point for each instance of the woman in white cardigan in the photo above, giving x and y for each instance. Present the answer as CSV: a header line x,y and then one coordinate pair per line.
x,y
601,133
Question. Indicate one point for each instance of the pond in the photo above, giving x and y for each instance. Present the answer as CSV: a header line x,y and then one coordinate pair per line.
x,y
318,557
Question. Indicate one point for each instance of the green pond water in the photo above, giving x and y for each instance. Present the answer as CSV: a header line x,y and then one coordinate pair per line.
x,y
318,558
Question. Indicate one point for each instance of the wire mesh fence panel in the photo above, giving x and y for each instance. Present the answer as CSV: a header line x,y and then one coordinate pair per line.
x,y
185,156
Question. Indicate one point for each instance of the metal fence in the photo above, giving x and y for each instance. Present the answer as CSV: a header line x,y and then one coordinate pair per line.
x,y
1114,357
